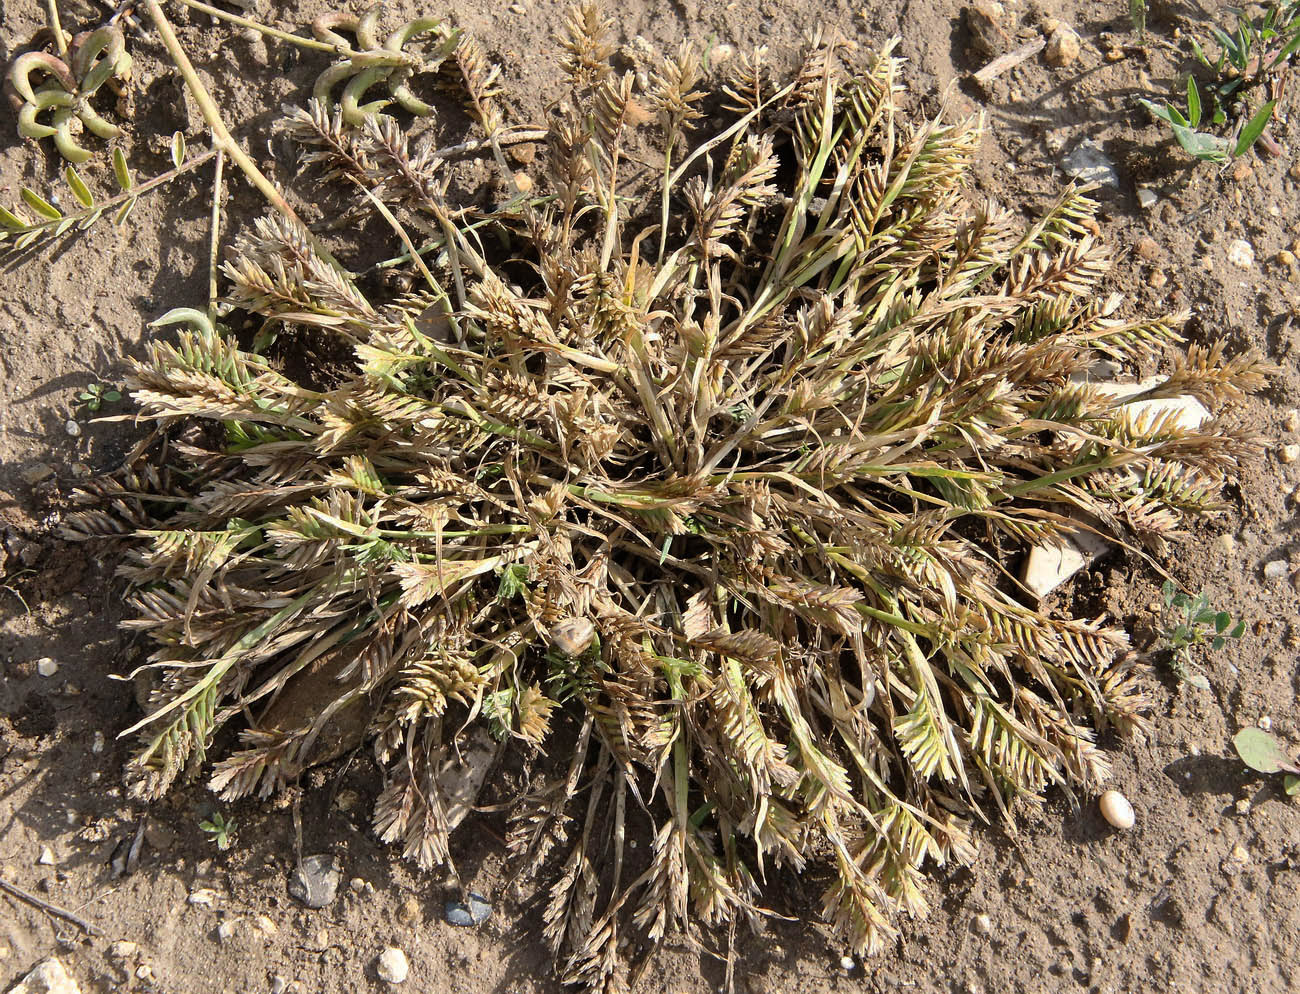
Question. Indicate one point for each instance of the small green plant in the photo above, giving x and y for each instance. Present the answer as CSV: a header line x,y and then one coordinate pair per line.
x,y
1137,13
221,828
96,395
1253,58
1190,622
1264,753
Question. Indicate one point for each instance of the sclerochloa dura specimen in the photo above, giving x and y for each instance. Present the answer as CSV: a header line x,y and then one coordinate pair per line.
x,y
717,505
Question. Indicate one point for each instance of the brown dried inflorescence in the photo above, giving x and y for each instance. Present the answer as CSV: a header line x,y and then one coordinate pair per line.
x,y
731,494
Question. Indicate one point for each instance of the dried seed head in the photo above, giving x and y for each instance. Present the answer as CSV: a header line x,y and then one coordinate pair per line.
x,y
573,636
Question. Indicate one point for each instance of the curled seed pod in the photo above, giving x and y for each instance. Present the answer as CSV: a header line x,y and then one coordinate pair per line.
x,y
573,636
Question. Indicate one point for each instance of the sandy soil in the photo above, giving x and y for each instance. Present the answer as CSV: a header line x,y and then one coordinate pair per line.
x,y
1199,896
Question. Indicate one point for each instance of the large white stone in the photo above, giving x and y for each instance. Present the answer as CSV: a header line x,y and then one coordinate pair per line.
x,y
47,977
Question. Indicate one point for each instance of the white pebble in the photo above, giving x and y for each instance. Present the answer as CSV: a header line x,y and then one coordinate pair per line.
x,y
1241,254
225,930
72,428
392,967
846,963
46,857
983,924
1116,809
1289,453
1275,570
97,743
46,666
1146,198
1265,723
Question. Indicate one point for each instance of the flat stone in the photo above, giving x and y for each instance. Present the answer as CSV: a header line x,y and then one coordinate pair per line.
x,y
1089,162
1146,198
461,775
1049,565
35,473
316,881
47,977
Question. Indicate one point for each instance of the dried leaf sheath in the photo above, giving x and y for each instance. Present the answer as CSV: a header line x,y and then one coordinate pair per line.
x,y
736,518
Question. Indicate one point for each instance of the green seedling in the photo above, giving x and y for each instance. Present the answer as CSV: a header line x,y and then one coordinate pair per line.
x,y
1137,13
221,828
1191,622
96,395
1254,57
1263,753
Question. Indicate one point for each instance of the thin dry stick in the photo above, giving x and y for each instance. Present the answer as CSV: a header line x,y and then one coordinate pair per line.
x,y
220,134
56,25
48,908
214,236
247,22
1009,61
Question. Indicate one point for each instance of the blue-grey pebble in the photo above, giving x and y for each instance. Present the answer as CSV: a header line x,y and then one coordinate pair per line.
x,y
466,914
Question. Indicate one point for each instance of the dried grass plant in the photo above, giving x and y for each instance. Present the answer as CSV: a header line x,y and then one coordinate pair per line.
x,y
724,500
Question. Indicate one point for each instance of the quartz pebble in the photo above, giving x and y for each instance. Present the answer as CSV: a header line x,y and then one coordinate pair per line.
x,y
846,963
1275,569
1116,809
391,967
1241,254
46,666
72,428
46,857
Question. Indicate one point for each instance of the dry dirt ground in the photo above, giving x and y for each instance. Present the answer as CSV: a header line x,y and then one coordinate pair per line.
x,y
1199,896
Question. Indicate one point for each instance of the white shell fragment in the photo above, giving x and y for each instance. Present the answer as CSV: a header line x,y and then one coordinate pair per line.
x,y
1116,809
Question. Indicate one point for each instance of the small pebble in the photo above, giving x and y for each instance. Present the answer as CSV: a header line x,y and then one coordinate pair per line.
x,y
719,54
264,925
522,154
1146,198
143,972
523,182
97,743
46,857
846,963
1157,280
122,949
1265,723
1275,570
1116,809
476,912
1291,422
1147,248
203,897
1286,258
1243,807
46,666
983,924
1241,171
409,912
356,885
391,966
1289,453
72,428
1228,543
225,930
1062,47
279,985
1241,254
